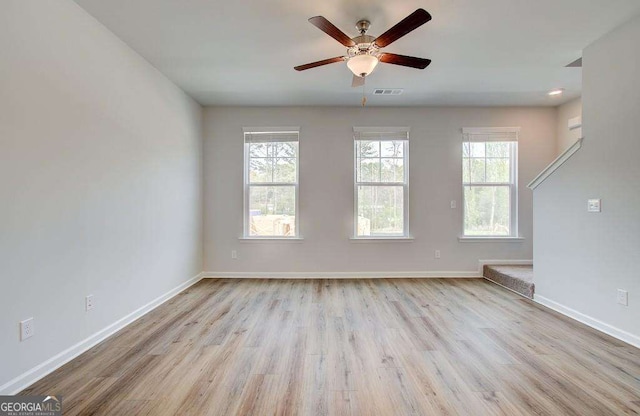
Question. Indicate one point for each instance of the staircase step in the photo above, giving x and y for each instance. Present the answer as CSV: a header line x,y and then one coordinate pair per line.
x,y
517,278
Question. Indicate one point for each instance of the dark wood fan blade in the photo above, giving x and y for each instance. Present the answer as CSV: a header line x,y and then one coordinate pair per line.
x,y
406,25
320,63
328,28
411,61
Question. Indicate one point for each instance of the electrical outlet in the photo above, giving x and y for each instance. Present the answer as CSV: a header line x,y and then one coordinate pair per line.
x,y
623,297
88,302
593,205
437,254
453,204
26,329
234,254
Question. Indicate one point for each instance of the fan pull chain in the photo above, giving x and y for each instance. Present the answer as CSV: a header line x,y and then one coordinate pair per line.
x,y
364,97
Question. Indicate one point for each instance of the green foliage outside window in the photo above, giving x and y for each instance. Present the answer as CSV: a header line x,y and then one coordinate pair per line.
x,y
487,178
380,174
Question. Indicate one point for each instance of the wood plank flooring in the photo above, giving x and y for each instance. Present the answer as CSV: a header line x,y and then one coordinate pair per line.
x,y
351,347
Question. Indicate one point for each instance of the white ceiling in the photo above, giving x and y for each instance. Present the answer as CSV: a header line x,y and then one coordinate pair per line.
x,y
242,52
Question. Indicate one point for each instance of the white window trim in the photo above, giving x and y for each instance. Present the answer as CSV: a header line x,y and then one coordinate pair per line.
x,y
493,131
476,239
381,239
255,239
512,135
405,236
247,185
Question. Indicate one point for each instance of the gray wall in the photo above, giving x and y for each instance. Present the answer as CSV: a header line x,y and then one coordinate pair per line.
x,y
326,188
582,258
565,136
100,180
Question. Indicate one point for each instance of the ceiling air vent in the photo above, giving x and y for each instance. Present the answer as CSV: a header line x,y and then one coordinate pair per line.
x,y
387,91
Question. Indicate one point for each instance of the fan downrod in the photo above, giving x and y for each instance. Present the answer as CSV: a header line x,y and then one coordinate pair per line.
x,y
362,26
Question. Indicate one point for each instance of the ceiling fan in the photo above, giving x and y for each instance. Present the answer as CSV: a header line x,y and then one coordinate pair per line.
x,y
364,51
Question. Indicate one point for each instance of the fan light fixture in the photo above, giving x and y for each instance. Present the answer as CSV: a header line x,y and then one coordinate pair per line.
x,y
364,51
362,65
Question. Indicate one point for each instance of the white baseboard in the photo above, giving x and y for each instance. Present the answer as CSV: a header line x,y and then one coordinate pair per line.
x,y
482,263
588,320
36,373
339,275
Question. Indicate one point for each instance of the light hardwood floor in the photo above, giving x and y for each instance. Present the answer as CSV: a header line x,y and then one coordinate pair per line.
x,y
359,347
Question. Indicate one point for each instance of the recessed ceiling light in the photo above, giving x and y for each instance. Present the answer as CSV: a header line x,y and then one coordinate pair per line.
x,y
557,91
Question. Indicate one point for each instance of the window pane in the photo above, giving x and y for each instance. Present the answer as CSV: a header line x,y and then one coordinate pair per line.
x,y
477,170
286,149
392,148
368,170
486,210
260,170
497,149
284,170
477,149
392,170
272,211
368,148
498,170
380,210
260,149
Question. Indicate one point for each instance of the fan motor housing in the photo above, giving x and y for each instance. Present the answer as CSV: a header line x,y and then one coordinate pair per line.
x,y
364,46
366,39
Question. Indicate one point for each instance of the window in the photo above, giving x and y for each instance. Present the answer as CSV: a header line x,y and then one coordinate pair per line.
x,y
271,184
489,176
381,182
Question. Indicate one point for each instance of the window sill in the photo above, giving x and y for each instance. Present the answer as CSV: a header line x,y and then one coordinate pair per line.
x,y
271,239
380,239
491,239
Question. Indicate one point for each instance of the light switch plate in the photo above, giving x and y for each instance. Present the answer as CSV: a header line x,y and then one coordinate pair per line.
x,y
593,205
623,297
88,303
